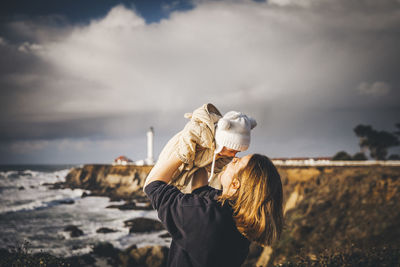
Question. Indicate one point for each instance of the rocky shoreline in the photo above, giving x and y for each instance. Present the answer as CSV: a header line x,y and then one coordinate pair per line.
x,y
326,207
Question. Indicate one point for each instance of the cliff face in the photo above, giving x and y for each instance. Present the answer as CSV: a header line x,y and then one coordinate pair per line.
x,y
326,208
333,208
115,181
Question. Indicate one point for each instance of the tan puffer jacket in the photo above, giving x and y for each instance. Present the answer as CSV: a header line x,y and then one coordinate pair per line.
x,y
195,146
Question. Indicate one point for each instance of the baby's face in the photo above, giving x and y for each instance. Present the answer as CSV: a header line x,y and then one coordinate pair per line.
x,y
227,152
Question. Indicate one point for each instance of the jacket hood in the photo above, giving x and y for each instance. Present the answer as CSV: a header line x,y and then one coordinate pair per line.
x,y
207,114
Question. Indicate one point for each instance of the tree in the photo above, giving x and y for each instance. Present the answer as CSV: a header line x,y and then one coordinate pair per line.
x,y
342,155
377,142
398,129
394,157
359,156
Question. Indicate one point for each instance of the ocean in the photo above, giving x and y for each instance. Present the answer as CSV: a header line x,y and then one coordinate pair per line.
x,y
32,212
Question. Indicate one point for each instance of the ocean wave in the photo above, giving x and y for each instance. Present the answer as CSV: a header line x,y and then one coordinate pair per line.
x,y
24,190
55,176
27,178
9,174
47,202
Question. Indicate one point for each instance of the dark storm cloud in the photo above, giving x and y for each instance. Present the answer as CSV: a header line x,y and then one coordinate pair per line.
x,y
84,11
307,71
26,29
121,125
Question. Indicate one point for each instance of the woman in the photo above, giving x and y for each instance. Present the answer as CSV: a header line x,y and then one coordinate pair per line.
x,y
211,227
208,140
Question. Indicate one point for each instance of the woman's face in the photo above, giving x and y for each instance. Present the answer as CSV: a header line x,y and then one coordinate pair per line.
x,y
227,152
230,173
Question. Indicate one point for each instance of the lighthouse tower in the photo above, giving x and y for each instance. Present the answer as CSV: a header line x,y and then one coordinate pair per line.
x,y
150,135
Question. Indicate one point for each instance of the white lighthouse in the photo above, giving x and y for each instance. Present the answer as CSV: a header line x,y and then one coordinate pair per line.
x,y
150,135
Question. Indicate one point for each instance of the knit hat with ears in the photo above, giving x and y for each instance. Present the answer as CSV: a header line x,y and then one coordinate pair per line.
x,y
233,132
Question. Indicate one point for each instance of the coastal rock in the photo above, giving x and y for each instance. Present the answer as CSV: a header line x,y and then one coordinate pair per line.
x,y
66,201
73,230
139,225
105,230
106,250
126,206
166,235
106,254
53,186
132,206
75,261
155,256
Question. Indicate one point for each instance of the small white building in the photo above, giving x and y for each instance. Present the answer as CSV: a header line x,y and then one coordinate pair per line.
x,y
122,160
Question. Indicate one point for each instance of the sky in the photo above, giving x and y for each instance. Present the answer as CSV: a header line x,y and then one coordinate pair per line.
x,y
82,81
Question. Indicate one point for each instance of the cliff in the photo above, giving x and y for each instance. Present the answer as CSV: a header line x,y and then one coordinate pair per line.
x,y
118,182
327,208
337,209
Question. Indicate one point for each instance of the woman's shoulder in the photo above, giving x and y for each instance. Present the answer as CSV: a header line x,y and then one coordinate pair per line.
x,y
206,191
205,196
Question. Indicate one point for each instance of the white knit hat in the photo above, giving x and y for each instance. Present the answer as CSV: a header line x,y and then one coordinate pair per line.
x,y
233,132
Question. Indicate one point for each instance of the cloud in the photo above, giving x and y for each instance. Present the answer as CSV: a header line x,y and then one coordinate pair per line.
x,y
278,61
118,62
73,150
2,41
35,29
375,89
27,47
27,147
305,3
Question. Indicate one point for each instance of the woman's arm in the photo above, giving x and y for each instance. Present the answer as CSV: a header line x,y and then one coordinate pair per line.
x,y
200,178
163,170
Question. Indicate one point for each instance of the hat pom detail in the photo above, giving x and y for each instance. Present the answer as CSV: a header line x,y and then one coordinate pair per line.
x,y
253,122
223,124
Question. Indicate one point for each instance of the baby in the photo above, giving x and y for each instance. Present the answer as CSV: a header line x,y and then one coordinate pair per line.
x,y
208,140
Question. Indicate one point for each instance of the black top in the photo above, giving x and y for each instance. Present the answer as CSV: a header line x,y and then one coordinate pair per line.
x,y
203,232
